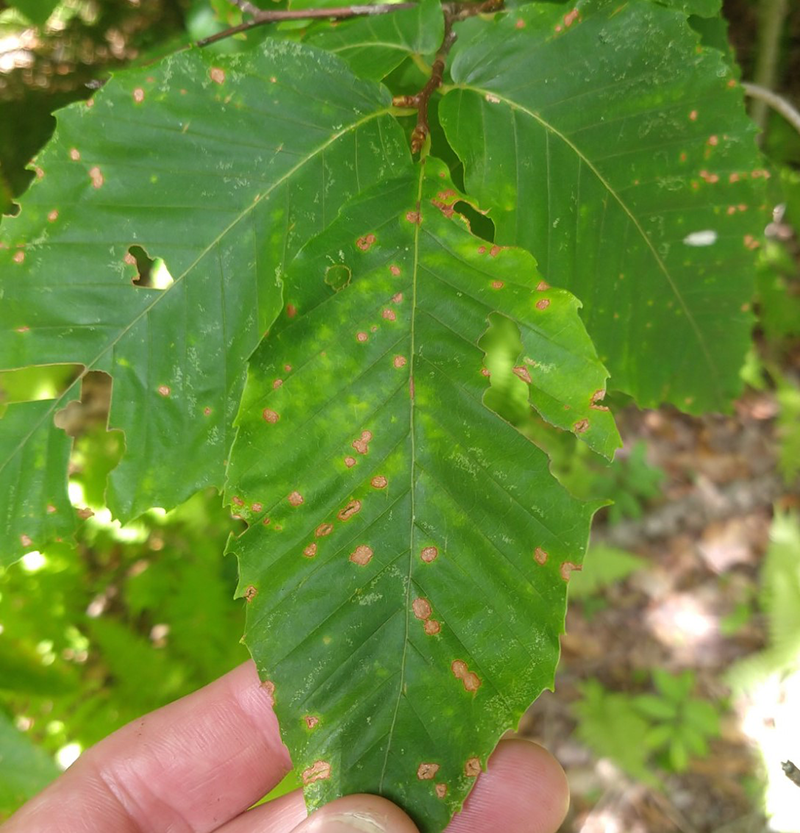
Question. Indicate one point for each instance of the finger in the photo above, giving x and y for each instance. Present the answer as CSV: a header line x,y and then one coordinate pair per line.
x,y
524,790
350,814
187,768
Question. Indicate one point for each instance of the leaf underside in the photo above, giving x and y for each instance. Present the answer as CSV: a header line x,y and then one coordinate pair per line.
x,y
615,148
221,166
408,552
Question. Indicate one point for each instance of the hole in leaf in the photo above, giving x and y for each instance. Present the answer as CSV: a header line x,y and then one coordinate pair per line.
x,y
151,273
79,417
508,394
338,276
479,224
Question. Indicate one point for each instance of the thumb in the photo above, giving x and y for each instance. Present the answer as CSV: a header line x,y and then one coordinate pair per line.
x,y
358,814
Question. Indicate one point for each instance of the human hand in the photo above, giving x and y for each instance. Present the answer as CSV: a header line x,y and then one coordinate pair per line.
x,y
196,765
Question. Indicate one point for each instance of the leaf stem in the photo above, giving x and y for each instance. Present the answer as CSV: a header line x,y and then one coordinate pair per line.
x,y
777,102
262,16
453,12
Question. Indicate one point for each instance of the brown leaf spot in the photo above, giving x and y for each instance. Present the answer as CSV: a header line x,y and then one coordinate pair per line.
x,y
542,286
581,426
492,99
74,154
494,251
323,529
50,509
266,521
713,141
18,257
52,216
295,499
269,687
413,217
571,17
276,384
138,95
472,768
361,555
446,209
351,509
485,371
481,250
543,304
397,298
250,593
432,627
399,361
598,396
361,337
520,24
389,314
291,310
349,462
364,243
26,541
497,284
96,175
426,772
422,608
287,368
318,771
83,514
217,75
362,445
693,115
441,790
311,721
567,567
270,416
469,679
395,270
523,374
163,390
540,556
256,507
237,501
379,482
373,328
129,259
310,551
429,554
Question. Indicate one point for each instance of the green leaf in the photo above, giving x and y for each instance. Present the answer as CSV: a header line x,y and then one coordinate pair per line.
x,y
604,566
701,716
24,769
374,46
659,736
675,687
656,707
403,627
678,755
223,167
614,147
37,11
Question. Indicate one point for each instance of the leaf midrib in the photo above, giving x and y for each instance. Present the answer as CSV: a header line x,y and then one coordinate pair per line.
x,y
178,281
662,267
413,466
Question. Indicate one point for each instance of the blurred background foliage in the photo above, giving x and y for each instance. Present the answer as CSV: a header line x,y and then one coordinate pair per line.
x,y
136,616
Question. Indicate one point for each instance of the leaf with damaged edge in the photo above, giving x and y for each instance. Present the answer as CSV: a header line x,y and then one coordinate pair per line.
x,y
616,149
408,553
222,166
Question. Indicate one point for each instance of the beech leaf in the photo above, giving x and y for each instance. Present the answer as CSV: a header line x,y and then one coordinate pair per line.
x,y
408,551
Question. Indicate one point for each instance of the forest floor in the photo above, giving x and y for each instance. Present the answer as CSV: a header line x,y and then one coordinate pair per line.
x,y
704,540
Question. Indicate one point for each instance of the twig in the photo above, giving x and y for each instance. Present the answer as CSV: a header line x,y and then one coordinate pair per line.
x,y
246,6
261,16
792,772
772,16
777,102
453,12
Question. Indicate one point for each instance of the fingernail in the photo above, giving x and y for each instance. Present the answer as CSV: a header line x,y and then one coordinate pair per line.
x,y
353,822
358,814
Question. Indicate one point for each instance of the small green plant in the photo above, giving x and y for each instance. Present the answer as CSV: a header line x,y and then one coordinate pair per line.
x,y
681,725
675,726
